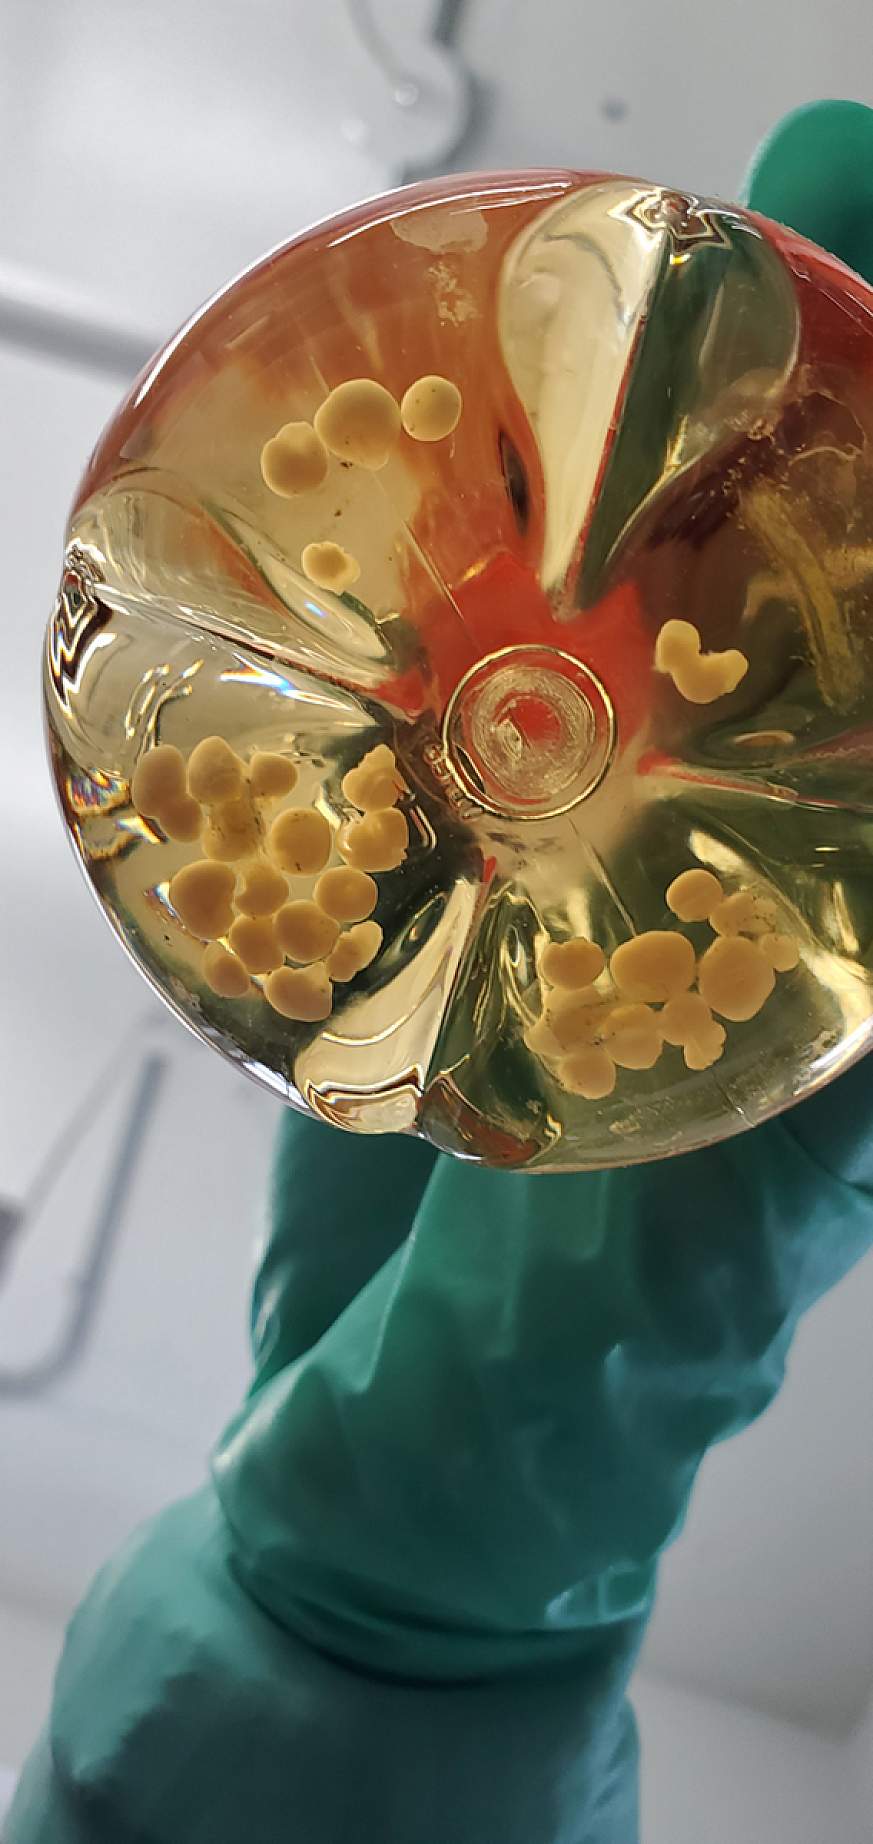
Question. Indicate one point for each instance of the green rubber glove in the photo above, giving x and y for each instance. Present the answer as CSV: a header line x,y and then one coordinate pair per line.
x,y
815,173
406,1608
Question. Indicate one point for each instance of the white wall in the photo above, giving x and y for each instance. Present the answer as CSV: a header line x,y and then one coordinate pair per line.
x,y
29,1648
861,1760
767,1596
714,1773
675,92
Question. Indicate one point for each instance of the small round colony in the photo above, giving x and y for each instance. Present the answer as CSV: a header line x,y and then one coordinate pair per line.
x,y
232,831
575,1016
782,953
304,932
202,896
294,460
541,1039
571,963
159,792
329,566
300,841
699,677
735,978
346,894
224,973
181,819
746,912
215,772
654,966
589,1072
159,777
378,842
684,1017
354,951
359,422
301,993
263,889
632,1036
253,938
431,409
270,775
701,1052
375,782
693,895
688,1023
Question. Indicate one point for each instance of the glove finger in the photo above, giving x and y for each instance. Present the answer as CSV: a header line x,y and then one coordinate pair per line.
x,y
815,172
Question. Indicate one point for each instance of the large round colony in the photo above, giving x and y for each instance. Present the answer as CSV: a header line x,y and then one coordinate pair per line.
x,y
239,900
596,1020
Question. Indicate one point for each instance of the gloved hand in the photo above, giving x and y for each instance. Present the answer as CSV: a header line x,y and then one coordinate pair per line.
x,y
406,1608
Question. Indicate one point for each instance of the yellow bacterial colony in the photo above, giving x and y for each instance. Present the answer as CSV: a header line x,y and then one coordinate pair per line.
x,y
238,898
598,1019
699,677
360,424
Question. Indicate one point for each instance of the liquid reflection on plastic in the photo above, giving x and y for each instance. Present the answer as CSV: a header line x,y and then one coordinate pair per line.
x,y
588,551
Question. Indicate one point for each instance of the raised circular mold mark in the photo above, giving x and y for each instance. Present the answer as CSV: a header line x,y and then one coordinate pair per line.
x,y
529,732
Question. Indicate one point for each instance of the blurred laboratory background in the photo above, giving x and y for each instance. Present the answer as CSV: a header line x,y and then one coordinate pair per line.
x,y
149,151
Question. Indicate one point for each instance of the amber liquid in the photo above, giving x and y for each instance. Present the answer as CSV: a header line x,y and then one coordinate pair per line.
x,y
662,420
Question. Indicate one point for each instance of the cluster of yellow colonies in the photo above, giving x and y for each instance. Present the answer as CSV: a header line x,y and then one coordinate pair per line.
x,y
360,423
587,1031
238,899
